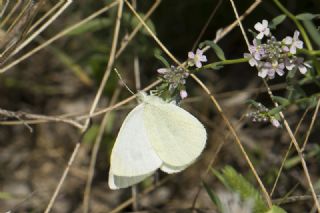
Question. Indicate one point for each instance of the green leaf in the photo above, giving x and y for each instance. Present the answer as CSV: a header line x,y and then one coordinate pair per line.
x,y
276,110
313,31
216,67
276,209
281,100
214,198
5,196
307,16
92,26
219,52
254,103
237,183
295,160
135,21
276,21
91,134
158,55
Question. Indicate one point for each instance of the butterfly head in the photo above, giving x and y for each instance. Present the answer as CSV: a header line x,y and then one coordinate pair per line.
x,y
143,97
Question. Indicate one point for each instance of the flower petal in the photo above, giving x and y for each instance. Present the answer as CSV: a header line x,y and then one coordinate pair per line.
x,y
260,36
253,62
198,64
199,52
265,23
263,73
287,40
296,35
203,58
299,44
293,49
302,69
162,70
258,26
267,31
191,55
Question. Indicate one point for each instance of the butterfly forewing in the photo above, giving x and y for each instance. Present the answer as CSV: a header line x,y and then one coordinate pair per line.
x,y
177,136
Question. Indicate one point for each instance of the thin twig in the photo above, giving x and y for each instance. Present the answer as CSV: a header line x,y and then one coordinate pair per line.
x,y
287,153
126,41
205,27
300,153
128,202
110,63
314,117
96,146
24,115
63,177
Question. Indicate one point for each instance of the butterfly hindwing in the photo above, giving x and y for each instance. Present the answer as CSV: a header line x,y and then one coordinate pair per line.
x,y
117,182
133,154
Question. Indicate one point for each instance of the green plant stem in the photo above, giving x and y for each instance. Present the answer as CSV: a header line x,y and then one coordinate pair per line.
x,y
309,52
297,23
221,63
299,101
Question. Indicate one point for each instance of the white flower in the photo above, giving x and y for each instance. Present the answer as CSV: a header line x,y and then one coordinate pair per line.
x,y
293,43
262,28
196,59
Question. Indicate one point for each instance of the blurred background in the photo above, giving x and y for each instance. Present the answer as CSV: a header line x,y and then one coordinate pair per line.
x,y
63,79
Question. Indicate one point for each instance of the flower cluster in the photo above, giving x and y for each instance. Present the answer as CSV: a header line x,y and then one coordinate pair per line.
x,y
272,56
262,115
174,79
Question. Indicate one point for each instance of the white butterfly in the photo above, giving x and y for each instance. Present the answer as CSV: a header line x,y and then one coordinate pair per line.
x,y
154,135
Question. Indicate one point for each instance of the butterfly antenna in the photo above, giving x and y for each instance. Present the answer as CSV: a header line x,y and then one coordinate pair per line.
x,y
122,81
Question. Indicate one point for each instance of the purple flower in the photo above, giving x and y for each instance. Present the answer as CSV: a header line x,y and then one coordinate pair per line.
x,y
298,63
196,59
163,70
270,69
275,122
303,67
256,50
293,43
252,61
262,28
289,64
183,94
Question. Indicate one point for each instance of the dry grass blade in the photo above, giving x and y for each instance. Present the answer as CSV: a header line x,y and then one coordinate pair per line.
x,y
20,32
87,192
93,107
58,36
